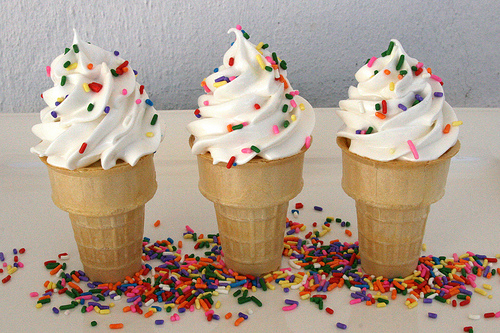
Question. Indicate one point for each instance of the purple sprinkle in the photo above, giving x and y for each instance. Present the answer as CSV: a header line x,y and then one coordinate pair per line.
x,y
318,208
198,115
106,109
55,310
341,326
419,98
135,72
438,94
427,300
182,310
342,224
216,316
53,114
432,315
291,301
242,315
402,107
159,322
286,290
220,79
57,103
290,232
116,53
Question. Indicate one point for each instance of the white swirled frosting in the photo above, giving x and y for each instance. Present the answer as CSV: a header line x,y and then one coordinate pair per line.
x,y
250,108
95,111
397,104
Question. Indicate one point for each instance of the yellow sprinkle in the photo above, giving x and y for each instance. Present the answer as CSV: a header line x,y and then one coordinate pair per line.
x,y
391,86
186,236
485,263
322,233
457,123
303,227
480,291
231,280
305,296
270,286
497,255
381,296
487,286
38,305
448,301
12,270
96,309
210,240
392,151
60,99
111,305
152,309
218,84
254,288
381,305
86,87
197,304
286,285
302,106
217,305
294,117
490,296
215,293
260,61
244,288
259,46
412,305
72,66
424,247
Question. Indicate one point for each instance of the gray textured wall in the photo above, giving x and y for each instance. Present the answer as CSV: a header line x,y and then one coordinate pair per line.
x,y
175,44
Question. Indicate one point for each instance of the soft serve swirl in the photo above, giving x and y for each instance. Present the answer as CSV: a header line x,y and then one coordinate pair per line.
x,y
250,108
95,111
396,104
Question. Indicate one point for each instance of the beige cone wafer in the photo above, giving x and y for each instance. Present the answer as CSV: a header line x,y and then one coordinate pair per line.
x,y
392,203
106,208
251,203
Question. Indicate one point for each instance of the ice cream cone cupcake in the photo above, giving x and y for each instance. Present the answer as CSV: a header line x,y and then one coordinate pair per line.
x,y
397,142
99,132
250,144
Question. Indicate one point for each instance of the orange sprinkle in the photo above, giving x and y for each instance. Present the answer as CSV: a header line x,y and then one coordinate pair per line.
x,y
398,285
206,260
55,270
400,77
204,305
238,321
380,286
341,283
90,66
203,83
125,69
157,223
46,283
394,294
368,303
179,244
348,233
75,286
75,278
116,326
201,236
387,72
429,70
415,294
129,279
228,315
148,314
44,297
126,309
446,129
380,115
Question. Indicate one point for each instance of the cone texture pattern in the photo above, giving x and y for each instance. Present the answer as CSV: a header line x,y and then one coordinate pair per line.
x,y
392,202
106,209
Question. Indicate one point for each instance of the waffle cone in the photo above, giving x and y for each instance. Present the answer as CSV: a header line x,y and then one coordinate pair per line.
x,y
106,208
392,202
251,203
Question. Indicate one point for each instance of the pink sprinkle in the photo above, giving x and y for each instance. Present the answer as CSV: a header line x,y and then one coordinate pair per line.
x,y
238,27
413,149
124,91
276,129
437,78
271,61
48,70
294,93
455,257
138,101
231,78
289,307
308,142
372,60
205,103
246,151
188,228
177,317
363,132
245,123
191,308
419,65
63,282
209,312
293,103
355,301
90,307
497,315
207,90
34,294
5,265
20,264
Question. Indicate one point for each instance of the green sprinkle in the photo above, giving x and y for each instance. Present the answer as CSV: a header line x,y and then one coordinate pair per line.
x,y
66,64
415,102
265,46
414,68
375,73
285,108
288,96
75,48
367,61
338,220
195,236
256,301
381,300
90,107
255,149
154,119
348,224
377,107
114,73
440,299
44,301
66,307
243,300
383,54
63,80
329,219
283,64
102,298
52,265
245,293
369,130
268,68
400,62
169,309
237,293
263,284
66,50
275,57
461,296
83,309
403,72
247,36
70,293
389,49
286,123
347,283
93,323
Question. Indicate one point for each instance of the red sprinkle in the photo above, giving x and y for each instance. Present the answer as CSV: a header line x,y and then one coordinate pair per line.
x,y
6,279
230,162
256,106
141,89
124,64
60,255
329,310
299,205
489,315
467,328
22,250
231,61
419,71
95,87
83,147
384,106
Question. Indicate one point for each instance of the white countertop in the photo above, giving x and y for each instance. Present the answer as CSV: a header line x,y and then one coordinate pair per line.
x,y
466,219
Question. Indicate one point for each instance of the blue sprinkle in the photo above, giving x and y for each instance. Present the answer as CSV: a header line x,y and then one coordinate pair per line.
x,y
106,109
419,98
402,107
53,114
216,70
358,131
438,94
135,72
198,115
149,102
432,315
116,53
318,208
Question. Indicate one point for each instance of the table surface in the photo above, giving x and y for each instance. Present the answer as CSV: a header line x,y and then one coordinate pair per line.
x,y
465,219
